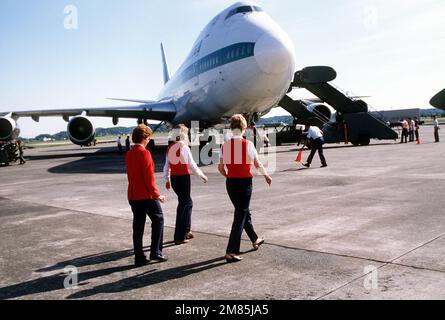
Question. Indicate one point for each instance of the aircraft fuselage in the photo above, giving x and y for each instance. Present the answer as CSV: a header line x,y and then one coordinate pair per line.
x,y
242,62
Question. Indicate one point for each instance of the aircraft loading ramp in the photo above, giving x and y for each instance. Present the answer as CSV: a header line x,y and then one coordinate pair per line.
x,y
353,120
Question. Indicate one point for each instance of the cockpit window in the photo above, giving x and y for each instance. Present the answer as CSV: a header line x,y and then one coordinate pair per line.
x,y
243,9
197,48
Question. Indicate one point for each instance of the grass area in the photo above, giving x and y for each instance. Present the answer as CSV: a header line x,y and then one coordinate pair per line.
x,y
429,120
123,137
40,144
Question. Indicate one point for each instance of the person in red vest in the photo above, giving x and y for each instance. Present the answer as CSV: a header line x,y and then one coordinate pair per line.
x,y
179,165
237,157
405,131
144,197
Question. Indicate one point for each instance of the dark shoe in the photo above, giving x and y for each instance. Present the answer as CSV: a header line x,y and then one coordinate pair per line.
x,y
178,243
189,236
324,166
141,262
232,258
257,244
159,258
307,165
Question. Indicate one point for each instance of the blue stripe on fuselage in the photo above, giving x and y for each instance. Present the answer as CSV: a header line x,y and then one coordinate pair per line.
x,y
217,59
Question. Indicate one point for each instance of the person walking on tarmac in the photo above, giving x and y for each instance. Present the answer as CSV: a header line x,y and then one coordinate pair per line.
x,y
315,137
405,129
236,159
20,149
127,144
179,164
119,145
412,128
436,129
417,129
144,197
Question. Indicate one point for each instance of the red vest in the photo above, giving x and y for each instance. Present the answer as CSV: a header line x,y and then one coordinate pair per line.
x,y
177,164
236,158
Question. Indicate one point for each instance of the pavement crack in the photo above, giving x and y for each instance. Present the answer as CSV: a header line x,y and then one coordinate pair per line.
x,y
417,267
418,247
389,263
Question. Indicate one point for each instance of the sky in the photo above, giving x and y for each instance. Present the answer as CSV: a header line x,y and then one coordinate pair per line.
x,y
391,50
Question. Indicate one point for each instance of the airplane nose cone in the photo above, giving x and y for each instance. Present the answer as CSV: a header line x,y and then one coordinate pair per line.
x,y
274,54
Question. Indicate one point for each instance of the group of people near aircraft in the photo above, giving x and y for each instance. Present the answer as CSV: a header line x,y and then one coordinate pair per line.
x,y
237,157
410,130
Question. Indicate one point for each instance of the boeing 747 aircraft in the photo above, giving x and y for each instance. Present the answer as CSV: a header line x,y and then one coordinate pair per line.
x,y
242,62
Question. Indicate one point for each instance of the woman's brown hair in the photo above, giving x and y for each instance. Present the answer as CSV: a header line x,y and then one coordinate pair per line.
x,y
140,133
238,122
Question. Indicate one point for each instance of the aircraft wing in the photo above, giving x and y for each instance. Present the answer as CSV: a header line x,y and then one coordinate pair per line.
x,y
438,101
161,111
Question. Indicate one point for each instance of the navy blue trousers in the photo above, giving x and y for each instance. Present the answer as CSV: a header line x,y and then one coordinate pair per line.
x,y
182,187
404,136
317,145
153,209
240,193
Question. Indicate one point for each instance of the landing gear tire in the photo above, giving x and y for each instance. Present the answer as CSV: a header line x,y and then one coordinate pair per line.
x,y
365,141
362,141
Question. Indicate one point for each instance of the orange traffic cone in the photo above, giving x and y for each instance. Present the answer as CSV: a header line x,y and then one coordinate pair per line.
x,y
300,154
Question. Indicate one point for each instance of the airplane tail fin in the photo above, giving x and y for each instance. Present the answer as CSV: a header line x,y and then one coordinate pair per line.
x,y
165,65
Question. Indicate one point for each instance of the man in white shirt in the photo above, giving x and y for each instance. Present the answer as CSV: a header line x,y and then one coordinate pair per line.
x,y
315,136
436,129
119,145
266,139
412,128
417,129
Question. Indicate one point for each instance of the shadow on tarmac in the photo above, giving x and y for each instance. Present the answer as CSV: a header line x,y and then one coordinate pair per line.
x,y
138,281
104,161
150,278
95,259
54,283
333,147
145,279
108,161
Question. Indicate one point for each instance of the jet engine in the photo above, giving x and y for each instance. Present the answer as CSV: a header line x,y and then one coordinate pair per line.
x,y
320,111
81,131
9,129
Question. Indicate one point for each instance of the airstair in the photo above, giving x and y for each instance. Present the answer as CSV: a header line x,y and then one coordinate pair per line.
x,y
354,123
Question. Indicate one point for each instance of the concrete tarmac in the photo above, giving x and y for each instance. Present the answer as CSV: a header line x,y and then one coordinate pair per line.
x,y
370,226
